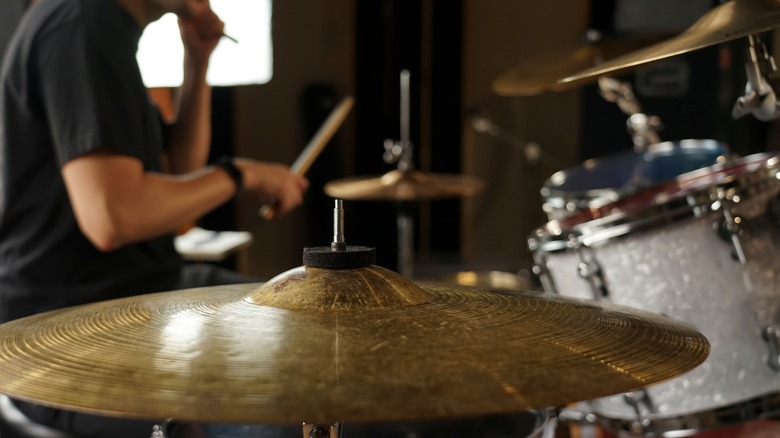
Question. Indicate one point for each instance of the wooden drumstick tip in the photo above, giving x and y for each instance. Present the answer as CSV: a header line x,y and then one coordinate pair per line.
x,y
267,212
314,147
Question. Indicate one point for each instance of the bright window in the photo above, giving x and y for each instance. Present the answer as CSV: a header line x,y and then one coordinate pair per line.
x,y
250,61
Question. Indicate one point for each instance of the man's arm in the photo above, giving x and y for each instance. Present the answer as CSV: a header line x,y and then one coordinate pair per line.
x,y
116,202
191,133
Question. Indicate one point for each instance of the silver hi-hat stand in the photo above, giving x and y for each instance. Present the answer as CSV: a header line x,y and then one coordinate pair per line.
x,y
404,185
401,153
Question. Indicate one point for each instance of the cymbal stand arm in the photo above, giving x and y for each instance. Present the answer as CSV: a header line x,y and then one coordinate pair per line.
x,y
531,150
759,98
643,128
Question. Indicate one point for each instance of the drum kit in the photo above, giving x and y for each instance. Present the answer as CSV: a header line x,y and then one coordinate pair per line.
x,y
659,314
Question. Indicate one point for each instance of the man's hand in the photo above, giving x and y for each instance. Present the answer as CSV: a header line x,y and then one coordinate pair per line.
x,y
201,30
271,181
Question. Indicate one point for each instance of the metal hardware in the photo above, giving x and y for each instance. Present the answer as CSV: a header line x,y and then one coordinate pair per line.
x,y
588,268
772,337
539,268
320,430
637,400
731,230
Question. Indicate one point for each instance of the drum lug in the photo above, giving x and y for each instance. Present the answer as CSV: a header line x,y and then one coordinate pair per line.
x,y
157,431
588,268
730,229
540,269
771,335
638,400
577,417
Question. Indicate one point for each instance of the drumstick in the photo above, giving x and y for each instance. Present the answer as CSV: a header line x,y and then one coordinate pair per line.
x,y
315,146
230,38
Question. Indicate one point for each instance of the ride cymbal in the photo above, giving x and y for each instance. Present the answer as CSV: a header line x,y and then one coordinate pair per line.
x,y
404,186
542,74
326,345
728,21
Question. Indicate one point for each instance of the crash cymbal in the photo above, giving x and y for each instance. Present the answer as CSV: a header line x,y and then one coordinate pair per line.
x,y
728,21
404,186
541,74
324,345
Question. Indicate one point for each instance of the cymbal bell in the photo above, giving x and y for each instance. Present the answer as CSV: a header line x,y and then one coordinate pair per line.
x,y
326,345
404,186
542,74
728,21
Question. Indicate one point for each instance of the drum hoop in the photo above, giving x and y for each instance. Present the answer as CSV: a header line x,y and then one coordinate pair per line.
x,y
689,424
559,198
689,195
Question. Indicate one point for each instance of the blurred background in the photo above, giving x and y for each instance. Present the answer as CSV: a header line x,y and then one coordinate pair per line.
x,y
454,51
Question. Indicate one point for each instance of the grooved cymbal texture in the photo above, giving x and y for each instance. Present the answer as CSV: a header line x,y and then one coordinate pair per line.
x,y
404,186
728,21
543,73
322,345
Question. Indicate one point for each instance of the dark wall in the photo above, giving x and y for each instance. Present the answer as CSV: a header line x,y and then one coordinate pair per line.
x,y
389,39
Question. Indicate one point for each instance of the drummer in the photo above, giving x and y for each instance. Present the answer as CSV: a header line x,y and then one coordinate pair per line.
x,y
93,185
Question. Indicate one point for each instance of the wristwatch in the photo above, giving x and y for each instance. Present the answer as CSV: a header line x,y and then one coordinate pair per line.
x,y
226,164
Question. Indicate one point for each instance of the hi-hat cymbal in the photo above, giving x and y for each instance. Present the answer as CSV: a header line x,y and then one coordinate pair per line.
x,y
404,186
326,345
728,21
541,74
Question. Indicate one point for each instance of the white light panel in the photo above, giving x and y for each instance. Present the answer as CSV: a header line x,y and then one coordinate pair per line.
x,y
250,61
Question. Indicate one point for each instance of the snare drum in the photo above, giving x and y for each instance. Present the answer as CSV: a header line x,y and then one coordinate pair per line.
x,y
598,182
703,248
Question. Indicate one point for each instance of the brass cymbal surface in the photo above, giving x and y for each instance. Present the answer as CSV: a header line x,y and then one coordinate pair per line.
x,y
542,74
326,345
729,21
404,186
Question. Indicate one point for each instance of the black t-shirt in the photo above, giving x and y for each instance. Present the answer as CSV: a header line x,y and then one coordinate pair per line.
x,y
71,84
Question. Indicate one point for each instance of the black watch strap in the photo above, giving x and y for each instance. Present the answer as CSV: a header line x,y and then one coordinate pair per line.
x,y
226,164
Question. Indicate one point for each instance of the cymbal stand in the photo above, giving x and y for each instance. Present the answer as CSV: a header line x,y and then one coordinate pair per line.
x,y
759,98
401,153
643,128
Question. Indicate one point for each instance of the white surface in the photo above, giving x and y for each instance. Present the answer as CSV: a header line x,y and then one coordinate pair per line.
x,y
198,244
250,61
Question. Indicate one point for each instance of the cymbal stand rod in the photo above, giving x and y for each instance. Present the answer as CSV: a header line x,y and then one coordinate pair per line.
x,y
405,162
338,244
405,223
405,220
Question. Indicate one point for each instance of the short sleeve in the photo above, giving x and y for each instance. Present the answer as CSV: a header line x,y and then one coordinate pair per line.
x,y
93,97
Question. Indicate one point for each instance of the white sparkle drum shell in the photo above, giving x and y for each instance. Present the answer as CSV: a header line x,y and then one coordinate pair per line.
x,y
703,249
600,181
